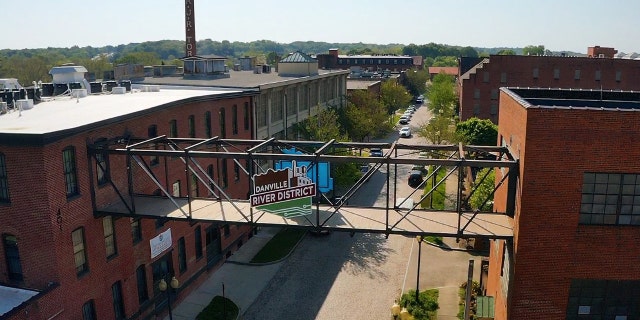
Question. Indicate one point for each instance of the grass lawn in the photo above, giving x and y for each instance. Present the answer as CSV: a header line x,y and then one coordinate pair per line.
x,y
425,308
279,246
219,309
439,194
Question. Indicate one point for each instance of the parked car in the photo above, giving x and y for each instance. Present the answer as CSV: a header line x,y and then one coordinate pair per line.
x,y
408,114
405,132
403,120
415,178
420,168
375,152
412,109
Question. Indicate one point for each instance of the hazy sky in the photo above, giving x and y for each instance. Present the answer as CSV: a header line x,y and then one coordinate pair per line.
x,y
571,25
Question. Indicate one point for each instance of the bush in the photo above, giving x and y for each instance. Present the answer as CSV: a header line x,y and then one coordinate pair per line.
x,y
462,292
426,308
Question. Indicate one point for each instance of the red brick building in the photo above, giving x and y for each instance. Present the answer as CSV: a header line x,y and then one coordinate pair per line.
x,y
78,264
479,85
601,52
372,63
575,253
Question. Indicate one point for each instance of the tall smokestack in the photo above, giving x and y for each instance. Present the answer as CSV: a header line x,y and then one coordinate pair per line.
x,y
190,27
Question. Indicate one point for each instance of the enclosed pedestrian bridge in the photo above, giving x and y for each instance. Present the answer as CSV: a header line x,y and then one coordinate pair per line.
x,y
290,183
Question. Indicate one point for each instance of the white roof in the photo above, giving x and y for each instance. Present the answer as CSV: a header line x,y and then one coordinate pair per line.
x,y
66,113
13,297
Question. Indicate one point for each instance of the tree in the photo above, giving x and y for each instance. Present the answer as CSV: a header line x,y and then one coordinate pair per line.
x,y
533,50
476,131
364,116
442,95
505,52
416,81
445,61
483,190
143,58
394,96
322,127
438,130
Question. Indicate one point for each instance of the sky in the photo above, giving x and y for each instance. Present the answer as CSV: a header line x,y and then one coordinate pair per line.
x,y
559,25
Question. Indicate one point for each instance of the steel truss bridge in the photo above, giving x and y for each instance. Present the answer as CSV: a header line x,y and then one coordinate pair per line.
x,y
394,217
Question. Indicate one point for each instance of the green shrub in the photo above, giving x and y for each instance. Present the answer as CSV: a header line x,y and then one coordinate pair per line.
x,y
425,308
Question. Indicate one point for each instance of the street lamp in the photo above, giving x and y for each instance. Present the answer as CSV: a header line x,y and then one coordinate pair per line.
x,y
420,239
173,284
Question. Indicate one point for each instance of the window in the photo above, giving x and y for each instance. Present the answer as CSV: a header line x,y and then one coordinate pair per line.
x,y
79,253
234,119
223,172
198,242
494,94
102,168
136,230
556,74
223,127
4,182
182,255
118,303
598,75
485,77
476,109
89,311
194,185
536,72
207,124
210,174
503,77
476,93
173,128
576,75
226,230
12,256
618,76
152,132
192,126
603,299
109,236
70,177
246,115
141,277
236,171
610,199
494,109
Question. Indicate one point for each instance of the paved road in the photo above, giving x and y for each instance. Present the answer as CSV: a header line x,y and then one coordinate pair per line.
x,y
341,277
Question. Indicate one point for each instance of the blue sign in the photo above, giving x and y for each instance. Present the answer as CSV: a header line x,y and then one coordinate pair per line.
x,y
324,183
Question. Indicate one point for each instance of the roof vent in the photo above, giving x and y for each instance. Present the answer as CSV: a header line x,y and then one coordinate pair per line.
x,y
150,88
78,93
118,90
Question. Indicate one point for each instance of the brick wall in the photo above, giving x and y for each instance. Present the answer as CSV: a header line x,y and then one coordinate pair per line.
x,y
42,217
555,148
519,72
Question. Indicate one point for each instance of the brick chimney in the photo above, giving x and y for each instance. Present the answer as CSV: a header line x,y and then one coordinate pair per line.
x,y
190,28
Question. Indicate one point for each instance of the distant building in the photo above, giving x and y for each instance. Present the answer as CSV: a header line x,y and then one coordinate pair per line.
x,y
451,71
601,52
371,63
574,253
480,84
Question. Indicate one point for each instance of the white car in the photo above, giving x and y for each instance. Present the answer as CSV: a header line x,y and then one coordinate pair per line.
x,y
405,132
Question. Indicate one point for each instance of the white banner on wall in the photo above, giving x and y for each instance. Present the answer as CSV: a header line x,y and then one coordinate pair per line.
x,y
160,243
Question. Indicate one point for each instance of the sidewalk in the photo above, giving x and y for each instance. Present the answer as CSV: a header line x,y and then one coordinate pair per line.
x,y
243,282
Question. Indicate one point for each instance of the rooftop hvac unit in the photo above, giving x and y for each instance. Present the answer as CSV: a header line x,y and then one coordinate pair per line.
x,y
119,90
150,88
24,104
78,93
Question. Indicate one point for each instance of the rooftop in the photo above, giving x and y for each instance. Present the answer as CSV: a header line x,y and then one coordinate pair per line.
x,y
64,112
13,297
237,79
576,98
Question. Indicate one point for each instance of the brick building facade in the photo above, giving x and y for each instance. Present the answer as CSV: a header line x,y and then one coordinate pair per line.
x,y
83,265
479,86
372,63
575,249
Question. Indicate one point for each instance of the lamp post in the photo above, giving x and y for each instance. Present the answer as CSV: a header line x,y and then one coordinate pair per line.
x,y
420,239
173,284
